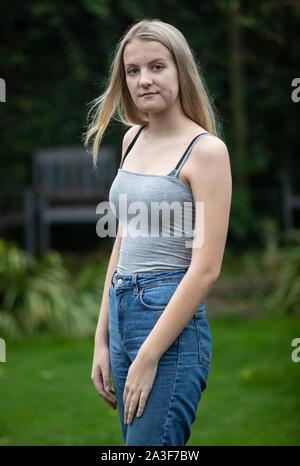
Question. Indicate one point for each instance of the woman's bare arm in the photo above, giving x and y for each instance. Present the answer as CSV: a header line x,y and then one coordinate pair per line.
x,y
101,335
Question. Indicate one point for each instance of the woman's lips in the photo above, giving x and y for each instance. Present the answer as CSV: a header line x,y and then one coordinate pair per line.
x,y
148,95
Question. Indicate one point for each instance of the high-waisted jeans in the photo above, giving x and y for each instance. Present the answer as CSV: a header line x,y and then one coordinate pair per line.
x,y
135,304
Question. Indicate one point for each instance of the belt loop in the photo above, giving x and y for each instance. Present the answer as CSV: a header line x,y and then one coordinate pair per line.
x,y
112,277
134,281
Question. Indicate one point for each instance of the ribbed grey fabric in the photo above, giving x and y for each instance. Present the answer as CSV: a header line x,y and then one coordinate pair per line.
x,y
143,249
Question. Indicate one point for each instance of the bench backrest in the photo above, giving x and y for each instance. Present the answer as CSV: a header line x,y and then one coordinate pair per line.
x,y
67,173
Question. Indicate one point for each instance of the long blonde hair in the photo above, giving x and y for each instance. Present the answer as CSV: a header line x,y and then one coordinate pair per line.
x,y
194,96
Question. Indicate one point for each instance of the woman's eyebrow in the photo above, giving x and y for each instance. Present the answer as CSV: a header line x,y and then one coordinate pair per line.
x,y
151,61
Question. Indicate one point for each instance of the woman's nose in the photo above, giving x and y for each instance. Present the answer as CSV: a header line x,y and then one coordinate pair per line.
x,y
145,77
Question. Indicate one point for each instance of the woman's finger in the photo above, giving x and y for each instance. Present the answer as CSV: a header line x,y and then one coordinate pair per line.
x,y
126,406
112,405
100,389
142,404
131,409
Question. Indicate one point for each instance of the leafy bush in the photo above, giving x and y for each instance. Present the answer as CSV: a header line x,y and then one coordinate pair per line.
x,y
42,295
282,264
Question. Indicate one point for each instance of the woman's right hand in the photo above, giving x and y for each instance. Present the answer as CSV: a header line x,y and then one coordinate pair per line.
x,y
101,374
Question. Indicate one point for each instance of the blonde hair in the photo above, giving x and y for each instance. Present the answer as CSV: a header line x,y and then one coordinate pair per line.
x,y
194,96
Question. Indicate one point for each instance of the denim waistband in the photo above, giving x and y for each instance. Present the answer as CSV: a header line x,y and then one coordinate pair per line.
x,y
147,278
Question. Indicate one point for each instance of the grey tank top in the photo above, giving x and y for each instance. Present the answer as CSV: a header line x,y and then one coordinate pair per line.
x,y
157,214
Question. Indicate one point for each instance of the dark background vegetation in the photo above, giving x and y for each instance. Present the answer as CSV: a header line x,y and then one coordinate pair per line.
x,y
55,58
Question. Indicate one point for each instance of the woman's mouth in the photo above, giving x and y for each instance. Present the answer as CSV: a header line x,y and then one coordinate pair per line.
x,y
149,94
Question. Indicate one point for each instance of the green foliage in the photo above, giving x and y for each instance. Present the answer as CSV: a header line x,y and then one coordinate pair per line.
x,y
42,295
282,265
57,56
241,214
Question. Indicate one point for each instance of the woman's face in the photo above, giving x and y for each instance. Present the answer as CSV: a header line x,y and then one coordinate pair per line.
x,y
149,67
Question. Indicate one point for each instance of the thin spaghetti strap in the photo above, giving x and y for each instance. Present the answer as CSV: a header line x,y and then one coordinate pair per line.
x,y
131,144
187,152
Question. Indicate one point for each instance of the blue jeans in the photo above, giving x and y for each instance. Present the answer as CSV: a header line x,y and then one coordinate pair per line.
x,y
135,304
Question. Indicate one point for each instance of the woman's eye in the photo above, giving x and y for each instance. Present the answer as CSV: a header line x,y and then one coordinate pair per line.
x,y
134,69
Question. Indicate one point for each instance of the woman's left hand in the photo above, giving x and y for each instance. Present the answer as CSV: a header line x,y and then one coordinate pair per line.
x,y
138,384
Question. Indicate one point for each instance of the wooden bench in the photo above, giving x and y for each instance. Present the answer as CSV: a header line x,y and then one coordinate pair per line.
x,y
66,189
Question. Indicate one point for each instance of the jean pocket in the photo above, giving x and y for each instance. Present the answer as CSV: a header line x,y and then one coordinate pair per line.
x,y
203,338
156,298
112,277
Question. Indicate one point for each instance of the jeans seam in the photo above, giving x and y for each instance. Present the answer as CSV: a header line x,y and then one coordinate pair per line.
x,y
171,400
199,340
156,284
112,277
201,359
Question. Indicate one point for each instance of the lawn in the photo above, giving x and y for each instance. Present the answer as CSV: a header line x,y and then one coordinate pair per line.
x,y
252,395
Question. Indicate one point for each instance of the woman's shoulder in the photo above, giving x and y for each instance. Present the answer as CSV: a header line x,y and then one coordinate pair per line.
x,y
128,136
209,141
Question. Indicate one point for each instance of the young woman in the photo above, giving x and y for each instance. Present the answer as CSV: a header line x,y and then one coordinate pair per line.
x,y
153,333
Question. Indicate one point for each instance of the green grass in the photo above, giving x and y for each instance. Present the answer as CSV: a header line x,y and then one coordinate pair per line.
x,y
252,397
